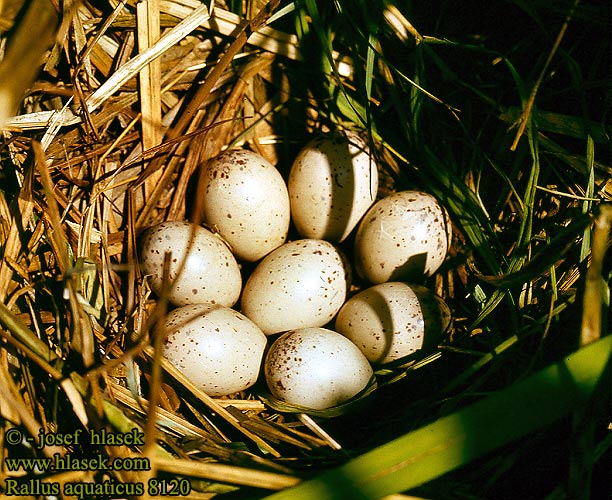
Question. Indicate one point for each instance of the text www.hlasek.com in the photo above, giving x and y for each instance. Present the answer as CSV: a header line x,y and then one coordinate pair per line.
x,y
69,462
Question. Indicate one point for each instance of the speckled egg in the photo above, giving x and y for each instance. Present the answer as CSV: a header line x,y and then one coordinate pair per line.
x,y
316,368
300,284
215,347
332,183
210,272
245,198
393,320
403,237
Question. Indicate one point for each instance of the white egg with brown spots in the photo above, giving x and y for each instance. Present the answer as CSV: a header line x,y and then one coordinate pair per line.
x,y
201,267
332,183
315,368
245,199
300,284
403,237
393,320
215,347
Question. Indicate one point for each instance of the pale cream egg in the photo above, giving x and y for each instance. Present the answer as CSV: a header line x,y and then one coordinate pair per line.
x,y
332,183
403,237
393,320
215,347
316,368
300,284
245,199
201,267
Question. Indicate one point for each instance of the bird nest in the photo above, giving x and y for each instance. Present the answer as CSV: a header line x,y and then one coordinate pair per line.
x,y
108,110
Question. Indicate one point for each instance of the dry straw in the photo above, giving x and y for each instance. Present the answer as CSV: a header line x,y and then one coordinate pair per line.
x,y
77,231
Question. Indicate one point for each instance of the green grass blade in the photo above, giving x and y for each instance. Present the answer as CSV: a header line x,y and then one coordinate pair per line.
x,y
590,191
370,58
353,110
492,302
282,12
526,228
302,27
330,69
450,442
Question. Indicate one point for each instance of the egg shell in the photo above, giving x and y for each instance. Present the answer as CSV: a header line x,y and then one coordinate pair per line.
x,y
316,368
210,272
393,320
403,237
215,347
245,198
332,183
300,284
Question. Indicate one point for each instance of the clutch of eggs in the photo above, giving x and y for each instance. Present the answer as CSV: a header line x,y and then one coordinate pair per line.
x,y
297,289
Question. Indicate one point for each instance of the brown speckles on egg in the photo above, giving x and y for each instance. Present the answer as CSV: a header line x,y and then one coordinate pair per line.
x,y
393,320
408,231
316,368
215,347
300,284
202,279
249,205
